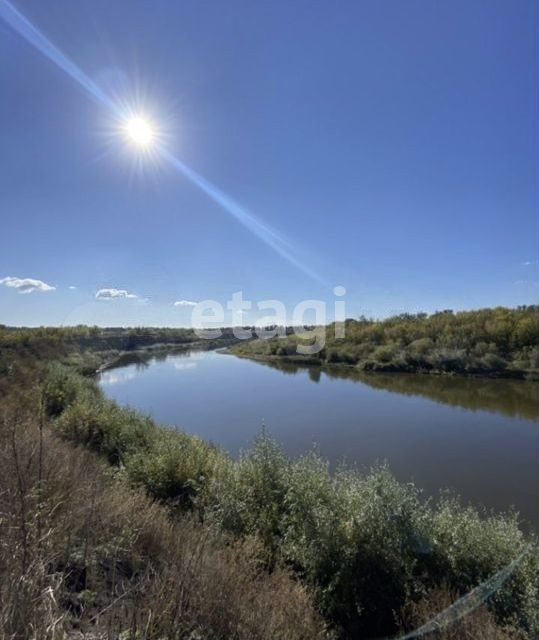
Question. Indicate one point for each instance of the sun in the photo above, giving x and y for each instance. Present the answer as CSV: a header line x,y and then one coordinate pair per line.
x,y
140,131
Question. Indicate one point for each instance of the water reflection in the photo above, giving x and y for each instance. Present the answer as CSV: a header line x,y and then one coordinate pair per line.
x,y
182,366
142,359
117,376
514,398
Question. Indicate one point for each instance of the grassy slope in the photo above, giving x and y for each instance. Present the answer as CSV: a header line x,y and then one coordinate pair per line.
x,y
84,546
489,342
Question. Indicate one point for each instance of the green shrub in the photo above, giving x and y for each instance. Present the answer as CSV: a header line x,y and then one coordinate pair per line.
x,y
385,353
493,362
106,428
476,546
61,387
176,467
421,345
358,538
250,496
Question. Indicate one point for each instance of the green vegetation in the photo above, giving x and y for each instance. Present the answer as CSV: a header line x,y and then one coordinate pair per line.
x,y
112,523
486,342
367,544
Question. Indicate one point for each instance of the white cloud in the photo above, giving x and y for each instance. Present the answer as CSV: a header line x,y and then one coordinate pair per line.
x,y
529,263
26,285
109,294
72,288
185,303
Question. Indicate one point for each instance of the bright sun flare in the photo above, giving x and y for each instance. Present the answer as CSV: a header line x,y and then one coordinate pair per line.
x,y
140,131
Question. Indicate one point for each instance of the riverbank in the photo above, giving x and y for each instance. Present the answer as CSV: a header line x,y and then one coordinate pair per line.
x,y
498,342
362,544
368,368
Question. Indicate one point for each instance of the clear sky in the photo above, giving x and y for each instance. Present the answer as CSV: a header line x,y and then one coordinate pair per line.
x,y
392,146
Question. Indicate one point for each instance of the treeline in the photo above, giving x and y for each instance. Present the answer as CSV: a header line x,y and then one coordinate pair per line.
x,y
498,341
99,338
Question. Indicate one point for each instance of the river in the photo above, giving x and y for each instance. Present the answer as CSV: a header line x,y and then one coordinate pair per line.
x,y
477,437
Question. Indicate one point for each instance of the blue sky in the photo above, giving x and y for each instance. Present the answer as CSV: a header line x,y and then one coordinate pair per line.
x,y
392,144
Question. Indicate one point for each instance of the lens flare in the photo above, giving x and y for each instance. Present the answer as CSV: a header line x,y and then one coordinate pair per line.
x,y
467,603
257,227
33,35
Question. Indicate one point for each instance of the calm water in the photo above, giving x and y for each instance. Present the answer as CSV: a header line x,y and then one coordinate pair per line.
x,y
478,437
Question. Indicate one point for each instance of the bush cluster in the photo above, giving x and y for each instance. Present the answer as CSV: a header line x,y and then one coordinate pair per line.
x,y
368,544
170,465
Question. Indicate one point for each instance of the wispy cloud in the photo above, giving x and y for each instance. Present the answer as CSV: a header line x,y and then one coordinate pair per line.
x,y
110,294
529,263
185,303
26,285
72,288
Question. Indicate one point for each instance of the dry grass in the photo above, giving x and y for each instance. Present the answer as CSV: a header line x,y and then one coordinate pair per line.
x,y
478,625
81,553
